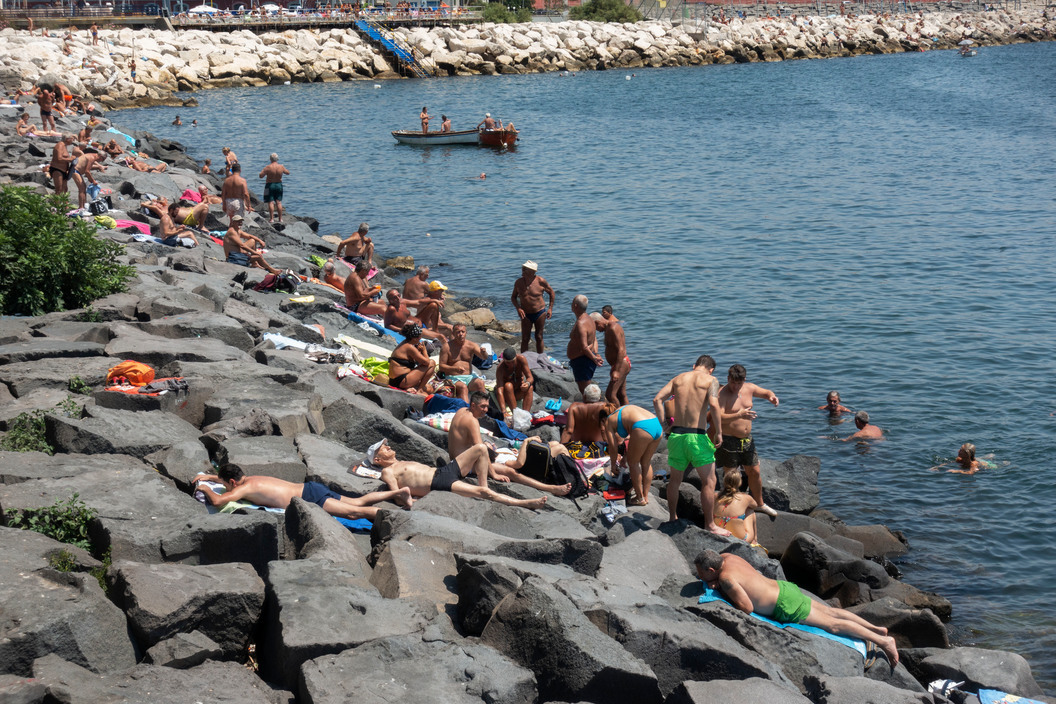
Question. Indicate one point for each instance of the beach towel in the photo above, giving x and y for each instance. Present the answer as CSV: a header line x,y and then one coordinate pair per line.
x,y
141,226
543,362
376,324
993,696
442,404
111,130
853,643
191,195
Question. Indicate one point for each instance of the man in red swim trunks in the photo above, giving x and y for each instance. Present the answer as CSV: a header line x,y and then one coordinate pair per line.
x,y
751,592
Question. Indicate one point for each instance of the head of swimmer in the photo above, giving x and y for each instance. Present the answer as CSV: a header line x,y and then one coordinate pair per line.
x,y
833,400
966,455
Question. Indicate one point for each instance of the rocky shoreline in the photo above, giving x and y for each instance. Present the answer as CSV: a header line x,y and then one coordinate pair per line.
x,y
454,600
172,64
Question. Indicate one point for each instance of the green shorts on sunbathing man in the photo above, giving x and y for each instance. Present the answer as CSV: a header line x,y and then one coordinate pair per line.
x,y
752,592
277,493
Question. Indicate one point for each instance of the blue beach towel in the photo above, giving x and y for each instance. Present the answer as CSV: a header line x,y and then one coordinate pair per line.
x,y
854,643
111,130
355,524
992,696
352,315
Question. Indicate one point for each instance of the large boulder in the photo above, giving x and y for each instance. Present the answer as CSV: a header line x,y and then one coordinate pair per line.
x,y
113,432
861,690
318,608
791,485
33,350
205,325
223,602
412,670
46,611
540,628
753,690
270,455
359,423
314,533
978,668
291,412
511,521
184,650
642,561
911,628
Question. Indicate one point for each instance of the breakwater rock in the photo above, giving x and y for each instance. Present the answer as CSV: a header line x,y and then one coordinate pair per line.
x,y
172,63
454,600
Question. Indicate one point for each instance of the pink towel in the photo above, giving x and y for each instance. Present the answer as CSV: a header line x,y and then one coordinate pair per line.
x,y
191,195
141,226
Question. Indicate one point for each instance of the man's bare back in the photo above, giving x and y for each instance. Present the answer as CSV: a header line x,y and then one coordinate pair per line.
x,y
691,391
583,425
270,491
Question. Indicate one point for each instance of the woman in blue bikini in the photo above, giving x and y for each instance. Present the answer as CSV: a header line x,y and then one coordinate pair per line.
x,y
734,509
643,431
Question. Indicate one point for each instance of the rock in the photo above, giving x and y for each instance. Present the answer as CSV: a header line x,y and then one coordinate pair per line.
x,y
978,668
19,690
540,628
207,325
32,350
791,485
184,650
479,318
876,540
404,569
270,455
23,378
415,671
401,263
210,681
317,608
16,467
776,535
358,423
911,628
222,601
553,385
642,561
861,690
290,413
753,690
182,462
46,611
510,521
106,431
314,533
679,647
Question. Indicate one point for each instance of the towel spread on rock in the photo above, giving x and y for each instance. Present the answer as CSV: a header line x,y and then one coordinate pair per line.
x,y
183,241
993,696
350,523
854,643
191,195
543,362
141,226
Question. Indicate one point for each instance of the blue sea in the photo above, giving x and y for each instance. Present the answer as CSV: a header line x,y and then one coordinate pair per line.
x,y
882,225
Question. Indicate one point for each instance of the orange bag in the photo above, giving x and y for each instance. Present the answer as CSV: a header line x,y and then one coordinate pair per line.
x,y
134,373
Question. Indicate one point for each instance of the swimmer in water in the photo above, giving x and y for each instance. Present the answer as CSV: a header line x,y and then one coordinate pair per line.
x,y
966,461
833,405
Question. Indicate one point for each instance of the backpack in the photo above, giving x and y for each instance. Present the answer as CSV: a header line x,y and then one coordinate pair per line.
x,y
536,461
563,470
268,283
134,373
288,282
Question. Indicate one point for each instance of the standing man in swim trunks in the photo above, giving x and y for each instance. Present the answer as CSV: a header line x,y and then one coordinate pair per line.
x,y
582,350
94,29
61,167
235,193
277,493
737,448
46,100
272,175
421,479
616,355
527,298
784,602
695,395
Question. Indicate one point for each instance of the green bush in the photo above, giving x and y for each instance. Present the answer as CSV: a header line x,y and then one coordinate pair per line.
x,y
66,521
605,11
49,262
26,433
522,15
496,12
80,386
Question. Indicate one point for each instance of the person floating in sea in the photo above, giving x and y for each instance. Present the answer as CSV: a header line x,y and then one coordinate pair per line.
x,y
738,448
752,592
866,431
527,299
177,122
833,405
966,461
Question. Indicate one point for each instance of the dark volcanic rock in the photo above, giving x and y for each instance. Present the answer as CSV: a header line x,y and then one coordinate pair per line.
x,y
221,601
184,650
413,671
107,431
976,667
32,350
45,611
750,691
314,533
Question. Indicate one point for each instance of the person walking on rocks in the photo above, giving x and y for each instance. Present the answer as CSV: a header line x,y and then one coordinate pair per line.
x,y
94,29
272,175
527,298
582,350
784,602
737,448
420,479
616,356
695,395
235,193
277,493
61,167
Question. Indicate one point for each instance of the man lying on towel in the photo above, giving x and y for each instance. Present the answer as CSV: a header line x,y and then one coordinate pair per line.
x,y
276,493
783,602
420,479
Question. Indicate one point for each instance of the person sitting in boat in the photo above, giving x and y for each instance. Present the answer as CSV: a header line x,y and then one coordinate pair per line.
x,y
445,123
489,123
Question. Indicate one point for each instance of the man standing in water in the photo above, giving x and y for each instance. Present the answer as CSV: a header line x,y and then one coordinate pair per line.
x,y
527,298
582,350
695,394
272,175
737,448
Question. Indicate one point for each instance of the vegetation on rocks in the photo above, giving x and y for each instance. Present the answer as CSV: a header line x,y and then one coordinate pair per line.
x,y
605,11
66,521
27,434
49,262
498,12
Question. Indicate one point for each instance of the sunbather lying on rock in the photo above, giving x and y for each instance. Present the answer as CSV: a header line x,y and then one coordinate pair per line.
x,y
465,434
421,479
144,166
751,592
277,493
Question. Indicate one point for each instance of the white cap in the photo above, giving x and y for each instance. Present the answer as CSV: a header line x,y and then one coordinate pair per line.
x,y
373,450
487,114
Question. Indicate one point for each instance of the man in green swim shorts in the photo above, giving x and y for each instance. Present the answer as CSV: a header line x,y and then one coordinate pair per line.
x,y
748,590
695,394
272,175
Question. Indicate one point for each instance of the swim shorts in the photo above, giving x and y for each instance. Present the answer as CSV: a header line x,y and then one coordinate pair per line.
x,y
532,317
445,476
234,206
240,258
736,452
583,368
793,606
189,220
317,493
273,192
689,447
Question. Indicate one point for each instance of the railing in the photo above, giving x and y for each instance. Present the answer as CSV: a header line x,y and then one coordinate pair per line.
x,y
408,57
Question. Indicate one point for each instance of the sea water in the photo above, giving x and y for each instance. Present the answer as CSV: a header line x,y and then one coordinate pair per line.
x,y
882,225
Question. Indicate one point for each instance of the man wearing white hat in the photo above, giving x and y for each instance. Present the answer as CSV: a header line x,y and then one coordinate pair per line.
x,y
489,123
527,298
